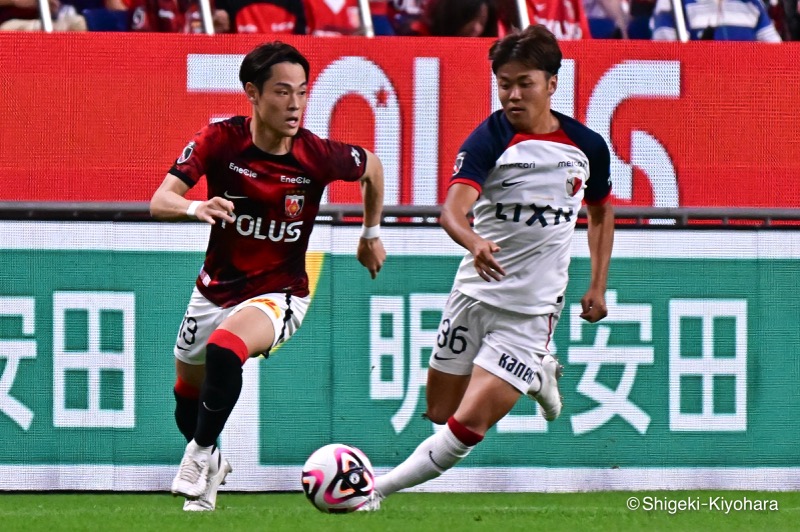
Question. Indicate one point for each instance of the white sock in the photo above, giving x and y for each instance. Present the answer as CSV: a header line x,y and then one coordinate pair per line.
x,y
430,459
196,450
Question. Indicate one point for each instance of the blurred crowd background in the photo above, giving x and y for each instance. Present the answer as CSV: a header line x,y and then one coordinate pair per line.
x,y
731,20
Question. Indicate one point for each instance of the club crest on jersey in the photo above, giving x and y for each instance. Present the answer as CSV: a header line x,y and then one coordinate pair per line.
x,y
293,205
574,184
459,162
187,152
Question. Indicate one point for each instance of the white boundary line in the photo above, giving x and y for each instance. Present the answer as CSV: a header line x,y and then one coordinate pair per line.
x,y
459,479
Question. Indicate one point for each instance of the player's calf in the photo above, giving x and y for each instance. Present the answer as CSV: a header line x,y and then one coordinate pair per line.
x,y
430,459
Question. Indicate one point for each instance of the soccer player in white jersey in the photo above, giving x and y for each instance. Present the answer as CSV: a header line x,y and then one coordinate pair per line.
x,y
524,173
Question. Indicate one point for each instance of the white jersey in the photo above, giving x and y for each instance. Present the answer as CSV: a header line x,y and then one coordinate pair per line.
x,y
531,190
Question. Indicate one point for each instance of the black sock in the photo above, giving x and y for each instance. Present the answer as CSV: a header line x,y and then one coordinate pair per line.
x,y
218,396
186,414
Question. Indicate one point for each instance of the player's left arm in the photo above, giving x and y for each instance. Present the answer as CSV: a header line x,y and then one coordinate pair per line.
x,y
601,241
370,251
597,196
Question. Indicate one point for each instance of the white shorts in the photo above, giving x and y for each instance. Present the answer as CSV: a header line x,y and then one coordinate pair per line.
x,y
507,344
203,317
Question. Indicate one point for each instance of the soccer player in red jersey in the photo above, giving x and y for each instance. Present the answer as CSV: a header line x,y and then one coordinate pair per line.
x,y
265,176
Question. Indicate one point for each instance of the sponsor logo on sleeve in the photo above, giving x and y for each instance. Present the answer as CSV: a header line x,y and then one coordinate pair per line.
x,y
356,156
459,162
187,152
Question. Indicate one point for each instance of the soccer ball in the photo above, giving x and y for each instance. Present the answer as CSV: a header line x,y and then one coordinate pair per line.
x,y
338,478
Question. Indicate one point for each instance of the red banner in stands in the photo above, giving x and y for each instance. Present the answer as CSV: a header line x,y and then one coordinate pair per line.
x,y
101,117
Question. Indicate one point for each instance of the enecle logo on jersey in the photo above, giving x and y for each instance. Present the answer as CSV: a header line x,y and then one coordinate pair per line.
x,y
533,214
243,171
299,180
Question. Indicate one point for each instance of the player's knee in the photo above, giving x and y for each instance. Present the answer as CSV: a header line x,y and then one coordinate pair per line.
x,y
184,389
469,436
222,340
223,365
437,416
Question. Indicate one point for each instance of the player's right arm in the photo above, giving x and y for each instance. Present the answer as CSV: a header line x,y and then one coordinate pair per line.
x,y
169,204
457,205
474,162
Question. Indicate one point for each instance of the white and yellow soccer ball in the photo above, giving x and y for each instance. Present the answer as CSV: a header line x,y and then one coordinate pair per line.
x,y
338,478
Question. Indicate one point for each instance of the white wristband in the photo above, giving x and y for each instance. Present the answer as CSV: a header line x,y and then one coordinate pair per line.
x,y
370,232
193,208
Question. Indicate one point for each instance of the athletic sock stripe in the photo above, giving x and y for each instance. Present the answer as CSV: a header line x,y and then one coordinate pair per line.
x,y
184,389
464,435
227,340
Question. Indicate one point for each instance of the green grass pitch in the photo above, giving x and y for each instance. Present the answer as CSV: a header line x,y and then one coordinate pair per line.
x,y
439,512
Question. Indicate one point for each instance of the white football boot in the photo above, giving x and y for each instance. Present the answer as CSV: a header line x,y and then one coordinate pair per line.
x,y
218,469
547,395
373,504
192,478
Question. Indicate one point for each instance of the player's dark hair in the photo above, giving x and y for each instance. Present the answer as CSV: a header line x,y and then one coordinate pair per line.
x,y
257,65
535,47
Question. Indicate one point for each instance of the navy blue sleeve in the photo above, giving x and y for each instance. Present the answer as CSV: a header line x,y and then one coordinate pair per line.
x,y
598,187
479,153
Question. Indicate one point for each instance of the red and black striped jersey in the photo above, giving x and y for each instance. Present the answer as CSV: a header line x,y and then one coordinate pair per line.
x,y
276,199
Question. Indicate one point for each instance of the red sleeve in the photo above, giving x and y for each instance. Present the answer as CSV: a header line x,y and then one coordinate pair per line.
x,y
195,159
343,162
329,160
